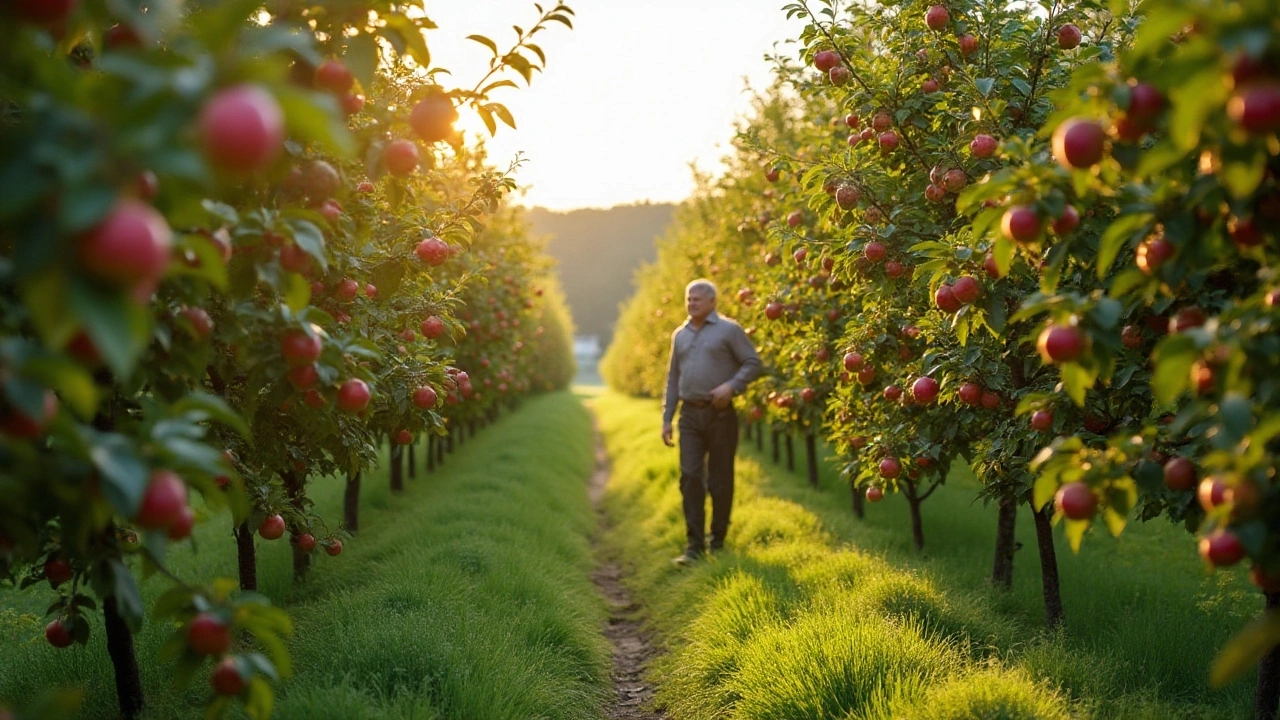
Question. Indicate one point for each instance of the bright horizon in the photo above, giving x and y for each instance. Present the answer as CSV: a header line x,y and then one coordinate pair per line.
x,y
629,98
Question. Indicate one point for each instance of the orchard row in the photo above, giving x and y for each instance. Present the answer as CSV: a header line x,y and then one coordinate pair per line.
x,y
239,249
1040,242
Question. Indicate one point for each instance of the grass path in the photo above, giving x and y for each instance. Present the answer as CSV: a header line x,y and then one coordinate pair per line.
x,y
468,597
812,614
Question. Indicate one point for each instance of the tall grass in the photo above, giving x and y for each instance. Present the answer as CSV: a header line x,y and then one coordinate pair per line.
x,y
467,598
814,614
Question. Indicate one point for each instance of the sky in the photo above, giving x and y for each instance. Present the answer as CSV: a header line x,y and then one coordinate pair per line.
x,y
629,98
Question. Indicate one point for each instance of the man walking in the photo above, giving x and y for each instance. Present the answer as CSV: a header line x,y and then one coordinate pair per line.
x,y
711,361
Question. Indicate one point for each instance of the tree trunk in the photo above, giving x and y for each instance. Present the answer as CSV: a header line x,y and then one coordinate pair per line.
x,y
431,453
1006,523
917,522
293,486
471,427
1267,695
811,456
412,461
776,447
440,448
1053,612
123,659
246,557
449,440
791,453
858,499
397,468
746,431
351,503
760,439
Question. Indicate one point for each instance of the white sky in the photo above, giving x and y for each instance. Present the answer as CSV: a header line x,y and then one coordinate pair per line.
x,y
632,95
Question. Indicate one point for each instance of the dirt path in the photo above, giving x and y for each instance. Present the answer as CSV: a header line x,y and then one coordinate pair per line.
x,y
632,695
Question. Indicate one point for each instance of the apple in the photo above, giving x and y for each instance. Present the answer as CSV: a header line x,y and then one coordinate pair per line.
x,y
208,635
306,542
1131,337
1180,474
1067,222
331,210
772,174
966,289
945,299
424,397
1061,343
1076,501
314,399
17,424
58,634
1221,549
1211,492
847,196
983,146
333,76
989,264
432,251
773,310
890,468
839,75
1256,107
1265,581
201,325
880,122
888,141
955,180
925,389
808,395
1079,143
894,269
1021,223
403,437
852,120
1186,319
400,157
272,528
874,252
129,247
300,348
800,255
352,103
929,86
937,18
432,327
1272,299
893,393
969,393
183,525
432,118
353,395
825,60
1152,253
334,548
370,290
162,501
968,44
1145,106
990,400
1069,37
852,362
1042,420
1245,232
241,129
147,185
795,218
57,571
875,494
364,187
347,290
295,259
866,375
935,193
44,12
226,679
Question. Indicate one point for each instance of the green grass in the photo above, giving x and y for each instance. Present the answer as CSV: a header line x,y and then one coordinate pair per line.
x,y
468,597
812,613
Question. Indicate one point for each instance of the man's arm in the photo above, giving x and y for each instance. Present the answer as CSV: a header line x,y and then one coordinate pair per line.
x,y
672,396
745,353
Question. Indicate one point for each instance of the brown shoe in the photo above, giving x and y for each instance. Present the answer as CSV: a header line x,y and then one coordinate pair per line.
x,y
687,558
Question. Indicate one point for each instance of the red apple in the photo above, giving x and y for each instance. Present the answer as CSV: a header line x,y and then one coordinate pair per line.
x,y
432,118
930,85
201,325
241,129
294,259
989,264
208,635
866,375
1042,420
347,290
1180,474
226,679
333,76
800,255
147,185
968,45
1211,493
183,525
874,252
1256,107
424,397
58,634
57,571
1145,106
795,218
839,75
1061,343
945,299
353,395
1221,549
334,548
300,348
1186,319
969,393
17,424
1076,501
44,12
1079,143
937,18
880,122
852,121
966,289
772,174
847,196
306,542
432,251
1067,222
1069,37
352,103
955,180
432,327
852,362
272,528
400,157
1153,253
824,60
990,400
983,146
888,141
893,393
875,494
1021,223
130,247
925,389
894,269
162,501
773,310
1131,336
890,468
403,437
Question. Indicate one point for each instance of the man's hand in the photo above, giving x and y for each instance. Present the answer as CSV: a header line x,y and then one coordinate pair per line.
x,y
722,396
666,435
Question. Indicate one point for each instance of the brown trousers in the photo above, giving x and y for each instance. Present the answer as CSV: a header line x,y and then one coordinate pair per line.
x,y
708,443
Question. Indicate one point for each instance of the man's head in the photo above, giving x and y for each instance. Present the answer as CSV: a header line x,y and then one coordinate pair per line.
x,y
700,299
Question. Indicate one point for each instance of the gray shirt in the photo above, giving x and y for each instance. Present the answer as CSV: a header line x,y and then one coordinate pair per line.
x,y
702,360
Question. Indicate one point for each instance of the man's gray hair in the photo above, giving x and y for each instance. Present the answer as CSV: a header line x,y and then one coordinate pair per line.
x,y
703,284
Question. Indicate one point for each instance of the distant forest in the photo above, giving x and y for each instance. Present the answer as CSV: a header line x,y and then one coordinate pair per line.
x,y
599,252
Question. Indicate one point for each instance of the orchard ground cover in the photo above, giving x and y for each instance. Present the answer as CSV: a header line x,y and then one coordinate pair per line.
x,y
429,613
812,613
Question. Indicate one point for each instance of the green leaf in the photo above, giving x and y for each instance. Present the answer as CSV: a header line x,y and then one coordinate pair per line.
x,y
362,59
1236,412
493,47
1107,313
984,85
1075,530
411,35
1245,650
128,598
1174,358
1076,380
203,406
72,381
259,702
45,297
125,475
504,114
310,117
1115,237
119,328
296,291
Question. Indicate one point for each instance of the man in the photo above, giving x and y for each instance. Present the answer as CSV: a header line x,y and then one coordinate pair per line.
x,y
711,361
